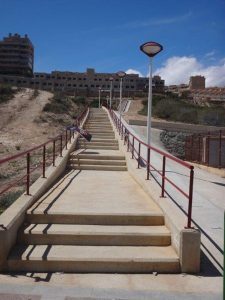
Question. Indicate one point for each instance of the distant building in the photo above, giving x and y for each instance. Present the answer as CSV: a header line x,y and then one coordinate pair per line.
x,y
87,83
197,82
16,56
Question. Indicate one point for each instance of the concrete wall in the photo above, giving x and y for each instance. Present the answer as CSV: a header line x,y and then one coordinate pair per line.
x,y
13,217
186,242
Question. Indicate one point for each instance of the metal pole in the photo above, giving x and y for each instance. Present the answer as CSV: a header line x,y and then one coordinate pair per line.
x,y
149,104
99,98
163,177
121,82
28,173
190,197
43,164
110,95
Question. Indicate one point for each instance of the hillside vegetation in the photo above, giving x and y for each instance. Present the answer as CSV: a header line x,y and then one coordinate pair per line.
x,y
173,108
6,93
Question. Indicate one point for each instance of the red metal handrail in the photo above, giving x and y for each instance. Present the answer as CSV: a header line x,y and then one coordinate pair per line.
x,y
63,140
128,136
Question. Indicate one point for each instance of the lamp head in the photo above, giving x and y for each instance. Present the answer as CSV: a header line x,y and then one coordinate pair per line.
x,y
121,74
151,48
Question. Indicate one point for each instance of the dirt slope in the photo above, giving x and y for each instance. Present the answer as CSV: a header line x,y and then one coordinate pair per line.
x,y
19,129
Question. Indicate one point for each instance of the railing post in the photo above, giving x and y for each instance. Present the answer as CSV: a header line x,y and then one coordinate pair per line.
x,y
53,154
125,136
133,148
199,148
163,176
66,139
28,173
192,147
61,145
70,136
122,132
220,147
128,141
148,163
43,161
208,146
139,154
190,197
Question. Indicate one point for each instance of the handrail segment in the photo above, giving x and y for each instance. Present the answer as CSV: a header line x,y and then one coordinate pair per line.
x,y
130,139
44,153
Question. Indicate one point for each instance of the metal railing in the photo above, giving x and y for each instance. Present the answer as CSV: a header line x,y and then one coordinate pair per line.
x,y
34,159
130,139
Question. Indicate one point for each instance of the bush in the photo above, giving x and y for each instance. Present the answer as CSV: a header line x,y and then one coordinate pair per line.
x,y
58,105
6,93
175,109
7,199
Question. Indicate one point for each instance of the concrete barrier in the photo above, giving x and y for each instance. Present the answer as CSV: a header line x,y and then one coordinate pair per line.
x,y
13,217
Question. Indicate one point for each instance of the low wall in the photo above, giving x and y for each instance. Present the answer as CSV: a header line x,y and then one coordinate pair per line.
x,y
13,217
186,242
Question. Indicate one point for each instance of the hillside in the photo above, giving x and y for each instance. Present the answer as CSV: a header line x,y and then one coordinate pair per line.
x,y
25,121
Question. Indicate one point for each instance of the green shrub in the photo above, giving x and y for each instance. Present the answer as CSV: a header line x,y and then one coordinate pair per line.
x,y
7,199
58,105
6,93
175,109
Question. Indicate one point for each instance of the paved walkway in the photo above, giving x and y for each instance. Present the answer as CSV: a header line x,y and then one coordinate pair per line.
x,y
208,198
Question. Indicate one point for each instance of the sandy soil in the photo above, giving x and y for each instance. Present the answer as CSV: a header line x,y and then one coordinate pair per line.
x,y
18,123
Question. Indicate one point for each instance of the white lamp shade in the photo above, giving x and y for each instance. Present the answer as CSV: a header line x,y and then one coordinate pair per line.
x,y
151,48
121,74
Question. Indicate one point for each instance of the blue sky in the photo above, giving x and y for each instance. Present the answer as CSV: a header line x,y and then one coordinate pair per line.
x,y
71,35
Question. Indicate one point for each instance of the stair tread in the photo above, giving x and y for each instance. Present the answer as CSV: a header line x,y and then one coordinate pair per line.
x,y
71,229
93,253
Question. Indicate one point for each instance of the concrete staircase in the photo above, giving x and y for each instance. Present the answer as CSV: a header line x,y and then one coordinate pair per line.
x,y
103,138
94,222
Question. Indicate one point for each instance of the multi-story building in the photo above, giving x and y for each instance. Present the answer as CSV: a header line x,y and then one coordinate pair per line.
x,y
197,82
16,55
87,83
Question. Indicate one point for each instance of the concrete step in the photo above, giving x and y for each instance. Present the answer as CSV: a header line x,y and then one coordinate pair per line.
x,y
98,127
99,157
100,131
93,259
78,161
151,218
101,140
101,147
101,137
108,167
99,143
73,234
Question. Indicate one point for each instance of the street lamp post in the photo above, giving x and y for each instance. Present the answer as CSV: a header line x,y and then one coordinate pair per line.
x,y
110,95
99,97
150,49
121,75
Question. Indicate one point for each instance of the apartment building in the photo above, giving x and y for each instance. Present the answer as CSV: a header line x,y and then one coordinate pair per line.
x,y
87,83
16,56
197,82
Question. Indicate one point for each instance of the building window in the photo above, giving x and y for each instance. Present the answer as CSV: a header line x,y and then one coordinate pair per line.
x,y
92,86
74,85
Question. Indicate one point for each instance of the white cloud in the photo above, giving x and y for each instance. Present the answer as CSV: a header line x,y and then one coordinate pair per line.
x,y
177,70
155,22
132,71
